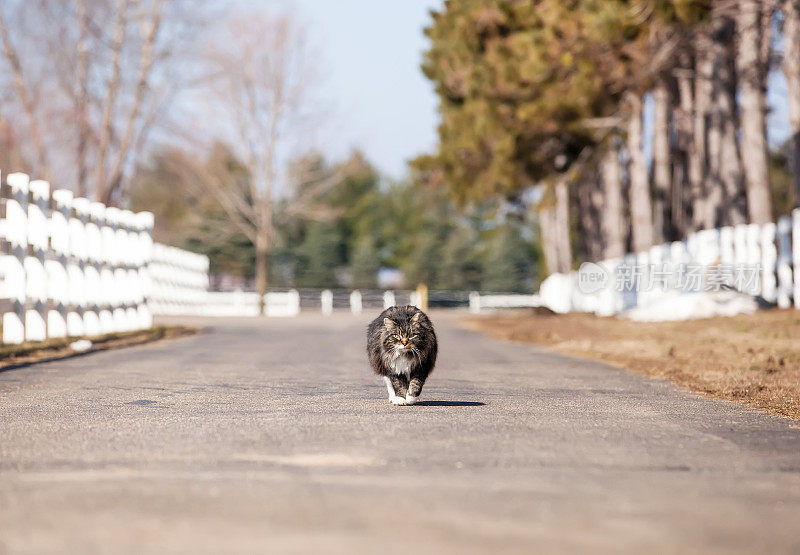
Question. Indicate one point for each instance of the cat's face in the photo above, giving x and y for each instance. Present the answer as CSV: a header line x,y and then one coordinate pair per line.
x,y
402,339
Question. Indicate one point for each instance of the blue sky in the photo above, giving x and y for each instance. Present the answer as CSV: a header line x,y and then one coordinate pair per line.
x,y
370,57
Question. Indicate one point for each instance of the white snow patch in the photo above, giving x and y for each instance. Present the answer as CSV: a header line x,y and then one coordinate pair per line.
x,y
81,345
556,292
677,305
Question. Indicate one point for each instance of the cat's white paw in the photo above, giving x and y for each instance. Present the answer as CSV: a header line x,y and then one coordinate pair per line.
x,y
410,399
397,400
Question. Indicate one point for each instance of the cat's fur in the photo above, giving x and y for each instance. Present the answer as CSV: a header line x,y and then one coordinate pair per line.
x,y
401,346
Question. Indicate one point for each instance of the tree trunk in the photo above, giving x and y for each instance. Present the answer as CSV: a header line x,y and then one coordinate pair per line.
x,y
112,89
590,202
547,236
791,69
262,269
724,159
562,226
82,76
706,194
612,219
752,70
688,164
661,162
680,199
26,98
640,205
554,230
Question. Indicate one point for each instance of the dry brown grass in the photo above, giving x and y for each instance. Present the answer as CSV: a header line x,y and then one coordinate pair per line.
x,y
753,359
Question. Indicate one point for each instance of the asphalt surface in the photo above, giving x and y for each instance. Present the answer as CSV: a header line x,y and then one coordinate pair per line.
x,y
273,436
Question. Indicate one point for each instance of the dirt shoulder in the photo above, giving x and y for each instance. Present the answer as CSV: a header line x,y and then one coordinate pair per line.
x,y
12,356
753,359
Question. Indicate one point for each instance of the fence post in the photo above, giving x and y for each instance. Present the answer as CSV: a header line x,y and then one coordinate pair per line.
x,y
784,262
76,265
388,299
56,264
740,244
726,252
130,270
108,235
92,269
769,259
145,221
754,254
120,273
15,237
35,275
355,302
474,302
708,247
326,299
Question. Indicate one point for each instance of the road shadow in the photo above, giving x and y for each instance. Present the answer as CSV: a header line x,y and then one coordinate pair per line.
x,y
449,404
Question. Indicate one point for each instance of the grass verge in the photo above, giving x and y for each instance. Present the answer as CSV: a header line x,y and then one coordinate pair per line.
x,y
753,359
53,349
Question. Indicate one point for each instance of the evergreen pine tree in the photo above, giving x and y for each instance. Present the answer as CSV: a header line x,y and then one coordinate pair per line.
x,y
320,256
365,263
508,265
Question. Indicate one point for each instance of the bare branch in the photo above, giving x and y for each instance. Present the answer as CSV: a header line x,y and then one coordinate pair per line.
x,y
152,28
12,58
82,71
106,124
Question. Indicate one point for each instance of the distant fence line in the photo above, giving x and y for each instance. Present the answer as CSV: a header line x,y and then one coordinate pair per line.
x,y
292,302
70,267
772,250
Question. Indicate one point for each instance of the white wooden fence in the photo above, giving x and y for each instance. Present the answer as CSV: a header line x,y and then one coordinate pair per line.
x,y
479,301
240,303
178,281
69,267
773,250
289,303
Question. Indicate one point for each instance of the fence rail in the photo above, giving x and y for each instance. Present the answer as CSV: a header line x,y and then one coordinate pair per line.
x,y
69,266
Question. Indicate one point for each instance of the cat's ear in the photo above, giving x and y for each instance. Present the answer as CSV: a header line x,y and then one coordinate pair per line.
x,y
415,318
388,323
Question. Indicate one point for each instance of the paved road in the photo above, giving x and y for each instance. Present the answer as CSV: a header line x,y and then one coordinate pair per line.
x,y
271,435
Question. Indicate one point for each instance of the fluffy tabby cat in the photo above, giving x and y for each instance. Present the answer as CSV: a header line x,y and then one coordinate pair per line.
x,y
401,346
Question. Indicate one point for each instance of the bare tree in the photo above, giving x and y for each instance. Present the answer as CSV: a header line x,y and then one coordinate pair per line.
x,y
725,178
108,68
25,96
706,195
554,227
640,205
612,218
264,88
110,99
661,161
82,93
590,204
791,69
149,28
755,38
